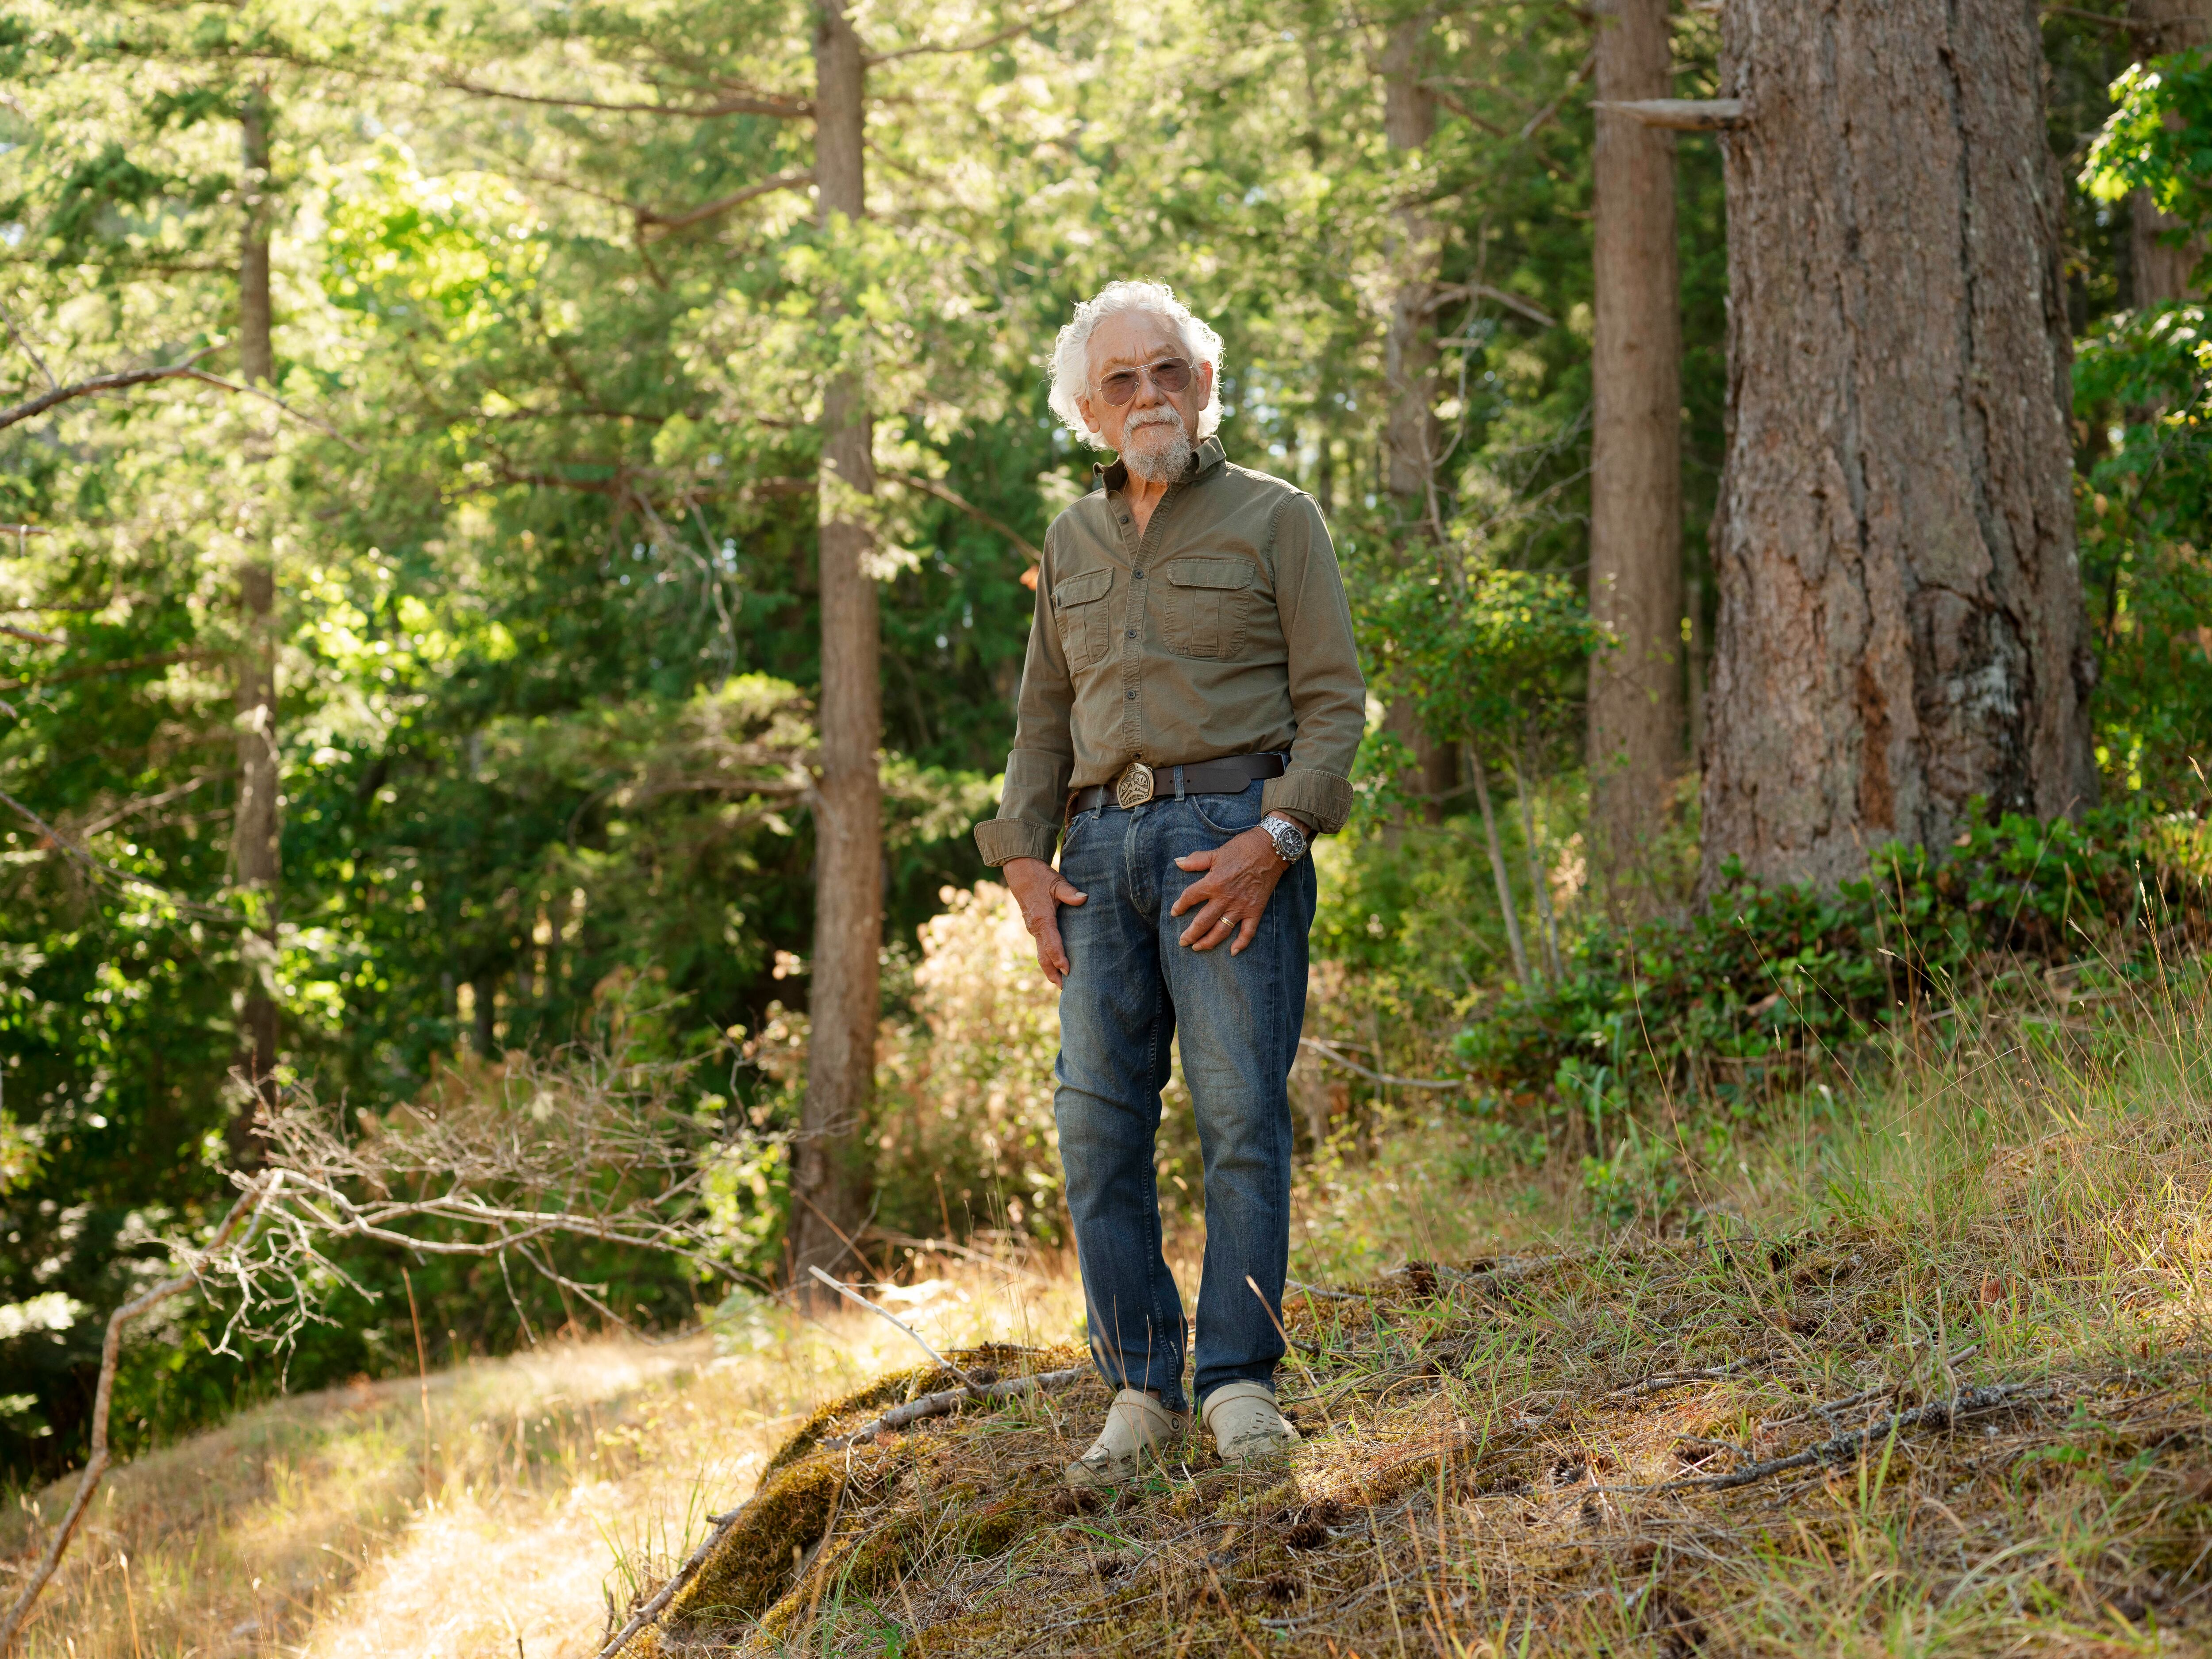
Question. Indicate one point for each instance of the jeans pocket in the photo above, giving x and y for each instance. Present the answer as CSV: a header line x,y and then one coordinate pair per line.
x,y
1229,815
1076,826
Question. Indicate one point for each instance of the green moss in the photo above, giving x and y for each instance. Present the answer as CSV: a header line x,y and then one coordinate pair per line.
x,y
867,1563
1001,1523
884,1391
755,1562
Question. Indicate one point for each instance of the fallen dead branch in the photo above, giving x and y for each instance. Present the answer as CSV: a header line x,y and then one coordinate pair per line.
x,y
1675,1379
1842,1448
950,1400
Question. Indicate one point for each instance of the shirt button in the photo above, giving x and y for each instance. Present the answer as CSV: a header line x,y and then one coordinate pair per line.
x,y
1132,633
1138,575
1133,697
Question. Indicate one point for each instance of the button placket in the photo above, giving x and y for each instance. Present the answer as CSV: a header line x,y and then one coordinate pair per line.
x,y
1139,598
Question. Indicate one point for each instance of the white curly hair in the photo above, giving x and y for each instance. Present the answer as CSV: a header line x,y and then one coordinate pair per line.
x,y
1071,360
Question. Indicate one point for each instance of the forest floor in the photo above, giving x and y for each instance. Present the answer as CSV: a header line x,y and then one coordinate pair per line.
x,y
1929,1375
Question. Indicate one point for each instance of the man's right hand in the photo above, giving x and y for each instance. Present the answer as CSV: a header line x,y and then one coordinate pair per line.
x,y
1040,890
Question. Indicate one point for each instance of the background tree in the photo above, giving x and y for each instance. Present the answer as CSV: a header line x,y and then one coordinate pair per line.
x,y
1636,718
2164,254
256,850
1900,637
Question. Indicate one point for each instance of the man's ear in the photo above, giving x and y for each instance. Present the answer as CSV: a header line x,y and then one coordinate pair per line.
x,y
1205,386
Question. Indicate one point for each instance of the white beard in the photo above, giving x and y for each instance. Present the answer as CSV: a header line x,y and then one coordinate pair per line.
x,y
1157,449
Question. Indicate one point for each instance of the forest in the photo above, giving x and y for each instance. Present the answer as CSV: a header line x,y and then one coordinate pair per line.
x,y
518,531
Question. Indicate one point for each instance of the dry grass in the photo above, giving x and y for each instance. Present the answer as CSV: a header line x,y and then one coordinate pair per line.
x,y
559,1481
1505,1458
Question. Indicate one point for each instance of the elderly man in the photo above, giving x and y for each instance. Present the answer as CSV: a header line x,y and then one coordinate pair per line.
x,y
1189,709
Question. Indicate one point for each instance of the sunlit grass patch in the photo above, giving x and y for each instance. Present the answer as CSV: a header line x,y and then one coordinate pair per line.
x,y
561,1484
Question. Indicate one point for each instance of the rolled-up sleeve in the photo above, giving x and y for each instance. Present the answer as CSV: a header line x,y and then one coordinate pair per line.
x,y
1326,693
1035,800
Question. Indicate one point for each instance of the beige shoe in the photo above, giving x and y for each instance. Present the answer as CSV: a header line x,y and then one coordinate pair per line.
x,y
1245,1422
1138,1427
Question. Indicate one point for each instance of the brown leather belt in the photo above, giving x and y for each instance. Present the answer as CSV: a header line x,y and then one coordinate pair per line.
x,y
1141,783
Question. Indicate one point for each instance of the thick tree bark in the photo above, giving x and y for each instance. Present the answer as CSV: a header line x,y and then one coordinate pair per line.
x,y
2162,271
1899,629
1410,437
1635,461
830,1182
255,866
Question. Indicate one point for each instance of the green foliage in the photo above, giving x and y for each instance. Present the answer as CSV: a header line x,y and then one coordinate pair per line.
x,y
2143,395
2159,139
1483,655
1765,986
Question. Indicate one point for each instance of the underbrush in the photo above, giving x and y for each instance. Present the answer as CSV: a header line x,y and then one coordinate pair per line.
x,y
1932,1378
2020,922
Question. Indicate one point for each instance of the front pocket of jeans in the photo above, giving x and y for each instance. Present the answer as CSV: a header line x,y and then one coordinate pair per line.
x,y
1206,606
1078,605
1230,806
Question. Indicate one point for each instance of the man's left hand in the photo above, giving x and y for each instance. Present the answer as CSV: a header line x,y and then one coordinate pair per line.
x,y
1232,893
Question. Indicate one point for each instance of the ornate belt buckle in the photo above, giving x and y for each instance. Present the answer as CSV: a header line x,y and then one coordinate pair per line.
x,y
1134,787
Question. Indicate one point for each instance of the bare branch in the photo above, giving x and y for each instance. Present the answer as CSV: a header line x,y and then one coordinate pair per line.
x,y
672,221
1536,314
98,383
1328,1051
920,1341
1451,102
1681,114
29,350
953,499
196,1264
13,633
99,869
268,397
750,103
93,671
587,1145
987,42
127,378
2126,23
131,808
1537,120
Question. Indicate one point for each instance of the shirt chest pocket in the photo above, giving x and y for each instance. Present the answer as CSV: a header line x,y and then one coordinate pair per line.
x,y
1208,607
1078,606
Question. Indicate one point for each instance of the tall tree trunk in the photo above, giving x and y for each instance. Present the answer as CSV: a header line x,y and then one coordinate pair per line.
x,y
1410,437
254,846
1899,628
830,1181
1635,462
2162,271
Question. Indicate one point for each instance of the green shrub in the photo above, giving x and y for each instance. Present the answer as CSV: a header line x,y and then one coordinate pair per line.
x,y
1767,985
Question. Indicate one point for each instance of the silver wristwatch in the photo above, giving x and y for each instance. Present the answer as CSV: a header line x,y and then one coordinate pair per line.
x,y
1290,841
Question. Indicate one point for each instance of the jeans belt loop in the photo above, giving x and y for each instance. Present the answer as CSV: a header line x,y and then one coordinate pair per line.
x,y
1178,778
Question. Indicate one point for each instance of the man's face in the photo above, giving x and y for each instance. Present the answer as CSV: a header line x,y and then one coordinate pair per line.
x,y
1148,429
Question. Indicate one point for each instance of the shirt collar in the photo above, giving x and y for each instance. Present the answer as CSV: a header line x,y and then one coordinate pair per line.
x,y
1207,459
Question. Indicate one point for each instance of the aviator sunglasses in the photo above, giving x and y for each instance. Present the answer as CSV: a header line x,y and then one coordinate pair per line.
x,y
1170,374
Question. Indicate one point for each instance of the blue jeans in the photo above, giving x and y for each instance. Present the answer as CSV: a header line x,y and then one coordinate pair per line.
x,y
1129,987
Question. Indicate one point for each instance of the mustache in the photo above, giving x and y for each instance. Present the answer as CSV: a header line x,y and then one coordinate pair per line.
x,y
1157,416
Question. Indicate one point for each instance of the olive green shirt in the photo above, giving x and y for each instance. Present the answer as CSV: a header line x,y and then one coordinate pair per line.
x,y
1223,630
